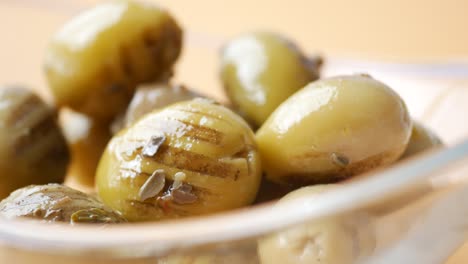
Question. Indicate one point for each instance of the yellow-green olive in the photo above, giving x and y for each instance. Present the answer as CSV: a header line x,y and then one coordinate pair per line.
x,y
343,239
94,62
332,129
32,147
422,139
190,158
261,70
57,203
151,97
87,139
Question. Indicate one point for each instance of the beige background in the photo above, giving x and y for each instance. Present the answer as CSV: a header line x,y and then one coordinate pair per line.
x,y
390,30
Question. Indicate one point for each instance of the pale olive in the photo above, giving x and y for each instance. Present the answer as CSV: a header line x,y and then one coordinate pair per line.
x,y
33,149
87,139
191,158
95,61
333,129
57,203
341,239
261,70
422,139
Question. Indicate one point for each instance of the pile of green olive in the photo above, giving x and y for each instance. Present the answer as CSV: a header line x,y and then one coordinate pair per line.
x,y
155,150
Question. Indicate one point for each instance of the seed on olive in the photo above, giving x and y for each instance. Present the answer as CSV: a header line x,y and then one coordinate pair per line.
x,y
205,162
57,203
87,139
261,70
332,129
422,139
152,97
32,147
343,239
95,61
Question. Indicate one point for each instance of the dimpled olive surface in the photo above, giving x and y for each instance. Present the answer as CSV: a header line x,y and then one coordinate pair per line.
x,y
57,203
422,139
261,70
32,147
340,239
94,62
191,158
332,129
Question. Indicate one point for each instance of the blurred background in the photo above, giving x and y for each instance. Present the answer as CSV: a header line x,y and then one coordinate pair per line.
x,y
422,32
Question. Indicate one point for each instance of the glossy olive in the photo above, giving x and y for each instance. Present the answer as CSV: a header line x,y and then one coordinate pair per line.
x,y
343,239
261,70
94,62
32,147
422,139
87,139
332,129
191,158
57,203
152,97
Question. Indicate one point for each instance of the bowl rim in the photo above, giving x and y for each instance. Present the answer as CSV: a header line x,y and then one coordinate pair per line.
x,y
156,238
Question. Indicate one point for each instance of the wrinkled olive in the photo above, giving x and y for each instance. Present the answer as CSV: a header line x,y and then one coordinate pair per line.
x,y
332,129
191,158
340,239
151,97
57,203
261,70
94,62
87,139
421,139
32,147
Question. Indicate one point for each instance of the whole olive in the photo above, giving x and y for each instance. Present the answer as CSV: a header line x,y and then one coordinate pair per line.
x,y
57,203
151,97
332,129
32,147
342,239
87,139
191,158
94,62
422,139
261,70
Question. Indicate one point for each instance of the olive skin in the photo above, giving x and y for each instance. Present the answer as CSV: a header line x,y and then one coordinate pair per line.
x,y
152,97
261,70
343,239
33,149
57,203
87,139
422,139
191,158
95,61
333,129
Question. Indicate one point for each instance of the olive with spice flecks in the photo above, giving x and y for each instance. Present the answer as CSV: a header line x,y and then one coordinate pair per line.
x,y
57,203
343,239
191,158
260,70
422,139
33,149
332,129
95,61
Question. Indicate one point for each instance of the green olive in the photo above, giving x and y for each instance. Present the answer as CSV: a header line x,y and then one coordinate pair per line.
x,y
261,70
343,239
422,139
332,129
57,203
191,158
151,97
87,139
32,147
95,61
